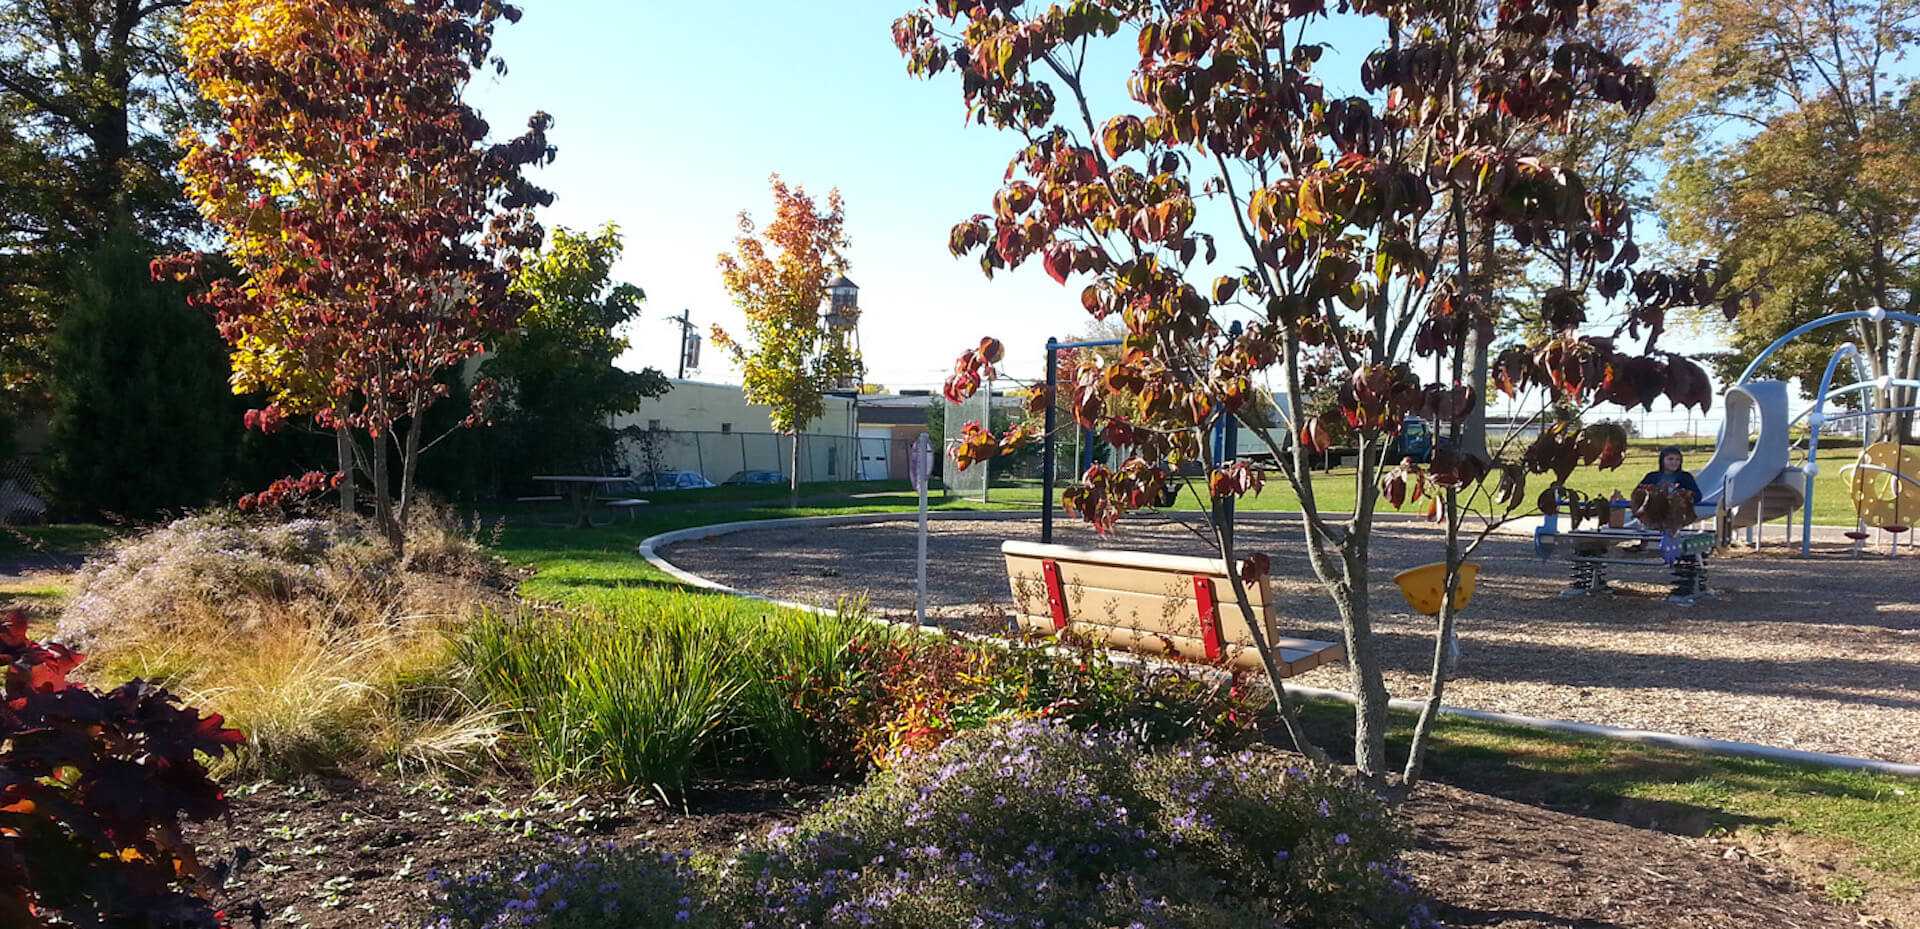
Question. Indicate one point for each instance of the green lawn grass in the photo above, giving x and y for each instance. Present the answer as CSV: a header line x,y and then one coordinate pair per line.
x,y
59,538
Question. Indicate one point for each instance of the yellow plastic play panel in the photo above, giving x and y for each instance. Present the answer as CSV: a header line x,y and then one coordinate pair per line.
x,y
1422,586
1884,499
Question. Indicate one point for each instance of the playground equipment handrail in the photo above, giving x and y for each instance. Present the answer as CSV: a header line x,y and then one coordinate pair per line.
x,y
1821,323
1816,415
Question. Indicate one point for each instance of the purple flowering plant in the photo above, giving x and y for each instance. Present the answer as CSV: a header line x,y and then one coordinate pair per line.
x,y
576,884
1035,824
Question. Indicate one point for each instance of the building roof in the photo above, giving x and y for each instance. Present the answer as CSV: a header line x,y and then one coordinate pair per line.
x,y
842,281
893,415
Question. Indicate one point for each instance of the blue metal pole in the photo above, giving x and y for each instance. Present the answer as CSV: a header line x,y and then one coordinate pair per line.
x,y
1814,422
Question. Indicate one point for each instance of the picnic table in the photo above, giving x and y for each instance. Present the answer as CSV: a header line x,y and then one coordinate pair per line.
x,y
582,491
1591,553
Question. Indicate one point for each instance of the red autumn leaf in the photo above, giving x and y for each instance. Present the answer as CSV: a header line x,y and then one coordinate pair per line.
x,y
1059,263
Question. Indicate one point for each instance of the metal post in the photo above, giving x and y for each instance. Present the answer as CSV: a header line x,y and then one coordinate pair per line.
x,y
1047,449
1232,451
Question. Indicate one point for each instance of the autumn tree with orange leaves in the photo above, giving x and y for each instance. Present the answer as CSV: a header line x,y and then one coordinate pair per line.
x,y
778,277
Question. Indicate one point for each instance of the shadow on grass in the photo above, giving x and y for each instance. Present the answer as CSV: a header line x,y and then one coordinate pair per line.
x,y
1628,784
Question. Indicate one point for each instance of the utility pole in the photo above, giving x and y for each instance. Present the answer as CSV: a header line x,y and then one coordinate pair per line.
x,y
685,322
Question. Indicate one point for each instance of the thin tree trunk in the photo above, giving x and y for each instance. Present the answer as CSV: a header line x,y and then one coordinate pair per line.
x,y
343,447
382,499
1473,433
1350,598
410,459
793,477
1353,598
1903,368
1363,669
1437,675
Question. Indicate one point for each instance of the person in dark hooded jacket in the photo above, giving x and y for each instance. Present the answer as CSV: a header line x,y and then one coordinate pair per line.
x,y
1671,471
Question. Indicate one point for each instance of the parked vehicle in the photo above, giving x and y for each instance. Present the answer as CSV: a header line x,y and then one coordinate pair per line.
x,y
755,478
1415,441
672,480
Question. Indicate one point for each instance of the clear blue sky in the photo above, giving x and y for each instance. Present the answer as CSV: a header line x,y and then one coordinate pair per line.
x,y
669,117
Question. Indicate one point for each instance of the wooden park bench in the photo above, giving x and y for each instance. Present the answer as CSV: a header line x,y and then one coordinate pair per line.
x,y
1151,604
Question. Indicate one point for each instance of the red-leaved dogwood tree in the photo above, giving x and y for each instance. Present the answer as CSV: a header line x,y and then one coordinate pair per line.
x,y
1352,237
371,228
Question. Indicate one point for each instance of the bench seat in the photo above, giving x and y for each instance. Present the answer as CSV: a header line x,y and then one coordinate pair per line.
x,y
1151,604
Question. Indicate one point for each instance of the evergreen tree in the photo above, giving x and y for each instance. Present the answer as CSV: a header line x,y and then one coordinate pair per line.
x,y
143,421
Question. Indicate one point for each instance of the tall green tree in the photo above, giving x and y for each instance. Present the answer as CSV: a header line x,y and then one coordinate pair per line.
x,y
778,277
143,420
558,378
1795,155
90,100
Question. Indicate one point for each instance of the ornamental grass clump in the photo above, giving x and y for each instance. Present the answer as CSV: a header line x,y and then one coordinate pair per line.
x,y
1035,824
221,572
577,884
328,648
668,689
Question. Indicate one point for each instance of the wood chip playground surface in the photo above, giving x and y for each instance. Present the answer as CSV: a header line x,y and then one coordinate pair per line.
x,y
1820,654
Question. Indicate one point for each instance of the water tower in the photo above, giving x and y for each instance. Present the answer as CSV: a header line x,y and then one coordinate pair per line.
x,y
843,322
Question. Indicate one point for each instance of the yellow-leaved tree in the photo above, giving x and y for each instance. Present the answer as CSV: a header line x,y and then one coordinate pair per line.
x,y
778,277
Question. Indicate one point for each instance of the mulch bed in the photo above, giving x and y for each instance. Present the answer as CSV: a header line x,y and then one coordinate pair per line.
x,y
1820,654
352,855
340,855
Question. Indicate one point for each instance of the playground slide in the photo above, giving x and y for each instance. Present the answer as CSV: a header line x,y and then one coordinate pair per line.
x,y
1752,475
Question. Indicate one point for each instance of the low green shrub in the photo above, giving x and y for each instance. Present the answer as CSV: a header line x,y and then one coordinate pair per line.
x,y
1018,825
918,692
649,695
1034,824
678,682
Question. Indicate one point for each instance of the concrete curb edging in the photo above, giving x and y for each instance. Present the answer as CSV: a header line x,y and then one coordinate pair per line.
x,y
651,547
1642,736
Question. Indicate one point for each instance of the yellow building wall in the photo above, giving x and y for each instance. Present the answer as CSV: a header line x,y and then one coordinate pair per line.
x,y
713,430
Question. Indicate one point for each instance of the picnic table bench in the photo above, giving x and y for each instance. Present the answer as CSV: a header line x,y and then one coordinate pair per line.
x,y
1151,604
1591,553
582,491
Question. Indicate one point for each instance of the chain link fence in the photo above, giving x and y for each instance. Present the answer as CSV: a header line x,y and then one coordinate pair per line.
x,y
971,483
718,456
23,492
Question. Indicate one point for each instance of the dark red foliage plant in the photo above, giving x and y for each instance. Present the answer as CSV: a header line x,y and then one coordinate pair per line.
x,y
93,788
